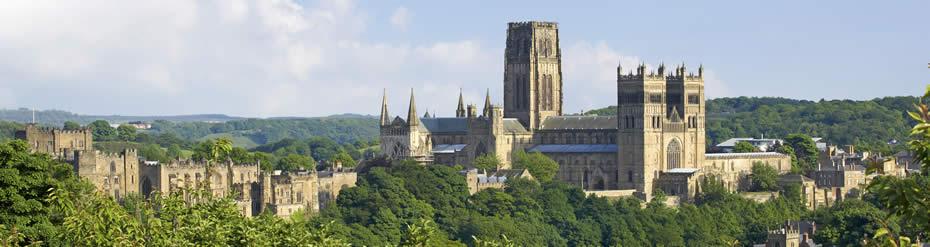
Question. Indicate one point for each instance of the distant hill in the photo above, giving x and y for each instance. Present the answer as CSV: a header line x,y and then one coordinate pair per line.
x,y
59,117
869,124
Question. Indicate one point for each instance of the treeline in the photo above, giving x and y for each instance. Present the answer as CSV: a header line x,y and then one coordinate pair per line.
x,y
261,131
869,124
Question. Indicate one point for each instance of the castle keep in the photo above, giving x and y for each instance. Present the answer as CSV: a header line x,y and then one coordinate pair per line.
x,y
656,139
119,174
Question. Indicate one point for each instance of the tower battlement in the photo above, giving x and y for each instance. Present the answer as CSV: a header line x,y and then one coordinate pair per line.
x,y
641,74
532,24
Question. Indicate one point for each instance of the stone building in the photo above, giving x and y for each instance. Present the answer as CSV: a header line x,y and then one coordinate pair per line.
x,y
656,139
119,174
481,180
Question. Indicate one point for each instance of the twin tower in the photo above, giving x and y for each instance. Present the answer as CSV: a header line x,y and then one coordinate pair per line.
x,y
658,128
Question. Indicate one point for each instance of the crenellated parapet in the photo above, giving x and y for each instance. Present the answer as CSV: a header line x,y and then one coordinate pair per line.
x,y
533,24
641,74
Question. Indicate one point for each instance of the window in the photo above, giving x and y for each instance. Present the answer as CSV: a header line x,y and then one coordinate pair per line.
x,y
116,180
694,99
674,154
655,98
629,175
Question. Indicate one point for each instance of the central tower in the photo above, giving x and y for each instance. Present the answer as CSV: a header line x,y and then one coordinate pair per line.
x,y
532,72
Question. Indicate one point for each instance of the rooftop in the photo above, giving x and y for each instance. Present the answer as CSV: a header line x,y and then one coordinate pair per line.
x,y
579,123
574,148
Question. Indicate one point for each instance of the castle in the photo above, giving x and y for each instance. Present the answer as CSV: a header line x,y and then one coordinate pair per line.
x,y
120,174
656,140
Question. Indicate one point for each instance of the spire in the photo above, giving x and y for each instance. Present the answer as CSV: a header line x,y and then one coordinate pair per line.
x,y
426,115
385,117
487,103
412,118
460,112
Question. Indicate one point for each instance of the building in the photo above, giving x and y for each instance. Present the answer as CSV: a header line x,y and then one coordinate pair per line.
x,y
792,234
763,144
656,139
481,180
119,174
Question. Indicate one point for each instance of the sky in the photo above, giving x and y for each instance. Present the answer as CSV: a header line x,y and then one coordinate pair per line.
x,y
269,58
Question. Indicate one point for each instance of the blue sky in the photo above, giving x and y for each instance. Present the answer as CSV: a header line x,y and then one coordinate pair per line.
x,y
314,58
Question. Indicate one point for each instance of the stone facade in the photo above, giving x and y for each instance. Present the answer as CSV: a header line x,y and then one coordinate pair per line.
x,y
119,174
656,139
481,180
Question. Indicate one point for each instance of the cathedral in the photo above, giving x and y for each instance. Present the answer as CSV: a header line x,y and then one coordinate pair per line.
x,y
656,140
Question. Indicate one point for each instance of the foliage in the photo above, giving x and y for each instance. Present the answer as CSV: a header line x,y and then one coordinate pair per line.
x,y
541,167
153,152
867,124
102,131
744,147
174,151
295,162
909,198
847,222
487,162
25,179
126,133
805,150
8,130
763,177
71,126
345,159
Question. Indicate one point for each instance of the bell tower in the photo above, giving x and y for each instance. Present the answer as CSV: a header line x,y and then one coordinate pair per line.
x,y
532,72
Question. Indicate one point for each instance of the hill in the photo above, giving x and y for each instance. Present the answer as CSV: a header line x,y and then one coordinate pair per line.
x,y
59,117
869,124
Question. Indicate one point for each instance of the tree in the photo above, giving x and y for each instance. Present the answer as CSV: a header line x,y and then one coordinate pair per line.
x,y
788,150
487,162
804,149
174,151
26,180
71,126
152,151
763,177
541,167
344,158
744,147
102,131
126,133
294,162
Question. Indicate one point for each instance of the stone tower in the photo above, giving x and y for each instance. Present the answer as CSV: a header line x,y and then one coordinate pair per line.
x,y
532,72
661,124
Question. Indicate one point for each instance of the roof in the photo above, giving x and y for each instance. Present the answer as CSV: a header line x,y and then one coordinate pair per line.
x,y
743,155
579,122
513,125
683,170
448,148
574,148
732,141
445,124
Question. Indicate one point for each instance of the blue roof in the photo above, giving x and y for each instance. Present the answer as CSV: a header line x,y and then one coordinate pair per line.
x,y
448,148
446,124
579,123
574,148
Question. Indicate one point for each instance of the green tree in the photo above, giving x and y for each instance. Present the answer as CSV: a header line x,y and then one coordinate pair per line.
x,y
763,177
126,133
744,147
103,131
541,167
788,150
71,126
152,151
174,151
345,159
804,149
487,162
294,162
25,179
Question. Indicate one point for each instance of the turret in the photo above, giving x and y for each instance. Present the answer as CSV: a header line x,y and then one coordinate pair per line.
x,y
472,111
385,117
487,104
460,111
701,71
661,69
412,119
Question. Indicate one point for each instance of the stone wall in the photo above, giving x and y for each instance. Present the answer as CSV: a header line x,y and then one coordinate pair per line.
x,y
733,169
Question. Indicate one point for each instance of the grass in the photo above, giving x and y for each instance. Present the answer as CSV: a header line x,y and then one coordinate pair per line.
x,y
238,139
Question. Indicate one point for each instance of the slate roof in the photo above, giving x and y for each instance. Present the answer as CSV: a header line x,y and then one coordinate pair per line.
x,y
579,122
446,124
513,125
683,170
574,148
448,148
742,155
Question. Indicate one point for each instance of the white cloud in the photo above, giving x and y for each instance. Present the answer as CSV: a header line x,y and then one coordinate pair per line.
x,y
400,17
251,58
590,78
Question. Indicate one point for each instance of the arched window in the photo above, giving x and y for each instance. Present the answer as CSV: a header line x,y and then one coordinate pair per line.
x,y
674,154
